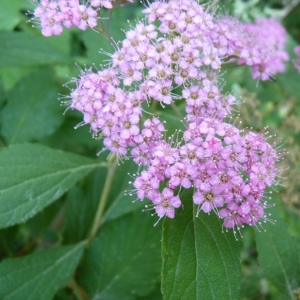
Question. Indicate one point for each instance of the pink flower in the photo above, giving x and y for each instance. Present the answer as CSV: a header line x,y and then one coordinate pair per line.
x,y
146,185
165,203
207,198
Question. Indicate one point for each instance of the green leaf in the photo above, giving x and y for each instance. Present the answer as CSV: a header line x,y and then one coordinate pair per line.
x,y
290,81
8,238
279,256
199,261
156,295
122,202
81,206
12,75
122,205
123,261
22,49
173,121
33,176
62,43
26,5
67,138
32,111
9,14
2,92
93,42
45,222
38,275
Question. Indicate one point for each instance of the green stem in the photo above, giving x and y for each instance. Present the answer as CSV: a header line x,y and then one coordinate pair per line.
x,y
103,199
153,106
213,5
177,111
103,30
75,289
288,8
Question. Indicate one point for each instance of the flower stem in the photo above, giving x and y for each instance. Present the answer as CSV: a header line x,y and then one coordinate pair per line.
x,y
103,200
213,5
153,106
288,8
177,111
73,285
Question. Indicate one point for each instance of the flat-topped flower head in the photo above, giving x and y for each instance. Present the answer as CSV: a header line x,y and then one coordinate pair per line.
x,y
175,56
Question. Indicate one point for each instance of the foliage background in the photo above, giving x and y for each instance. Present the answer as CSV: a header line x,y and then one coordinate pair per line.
x,y
48,198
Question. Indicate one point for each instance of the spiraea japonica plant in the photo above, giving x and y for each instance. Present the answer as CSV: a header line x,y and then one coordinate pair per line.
x,y
227,168
177,170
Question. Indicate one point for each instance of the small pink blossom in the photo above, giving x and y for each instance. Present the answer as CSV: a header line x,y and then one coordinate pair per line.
x,y
166,203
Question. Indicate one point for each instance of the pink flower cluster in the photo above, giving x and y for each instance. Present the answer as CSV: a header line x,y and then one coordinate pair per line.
x,y
264,48
259,45
181,47
229,172
296,61
109,109
53,14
